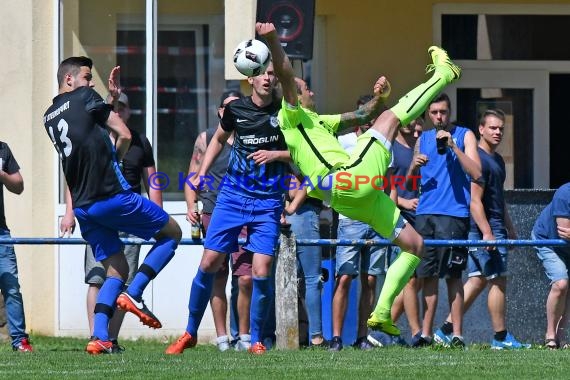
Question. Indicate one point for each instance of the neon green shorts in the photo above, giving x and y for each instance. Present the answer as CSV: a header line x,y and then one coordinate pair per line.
x,y
358,187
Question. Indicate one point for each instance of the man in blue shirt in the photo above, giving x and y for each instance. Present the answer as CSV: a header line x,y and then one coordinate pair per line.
x,y
446,158
554,223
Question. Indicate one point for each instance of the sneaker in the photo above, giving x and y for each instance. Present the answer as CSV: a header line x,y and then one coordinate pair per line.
x,y
400,341
182,343
385,325
457,342
257,348
97,346
117,349
419,340
510,343
441,339
363,344
244,343
442,64
380,339
128,303
223,343
336,344
23,346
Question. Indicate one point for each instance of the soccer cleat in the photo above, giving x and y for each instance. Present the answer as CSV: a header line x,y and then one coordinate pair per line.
x,y
257,348
97,346
128,303
223,343
385,325
441,339
443,65
182,343
336,344
23,346
510,343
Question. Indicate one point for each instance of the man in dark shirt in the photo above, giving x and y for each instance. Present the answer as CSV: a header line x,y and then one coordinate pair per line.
x,y
490,220
137,166
11,178
79,123
249,195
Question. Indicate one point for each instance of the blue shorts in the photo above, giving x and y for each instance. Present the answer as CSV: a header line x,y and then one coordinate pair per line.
x,y
100,222
352,260
232,212
488,264
555,265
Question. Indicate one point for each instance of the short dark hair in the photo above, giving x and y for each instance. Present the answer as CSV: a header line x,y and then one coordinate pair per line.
x,y
498,113
363,99
72,65
228,94
442,97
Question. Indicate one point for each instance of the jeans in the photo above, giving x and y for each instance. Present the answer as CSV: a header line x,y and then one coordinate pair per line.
x,y
11,291
353,260
305,225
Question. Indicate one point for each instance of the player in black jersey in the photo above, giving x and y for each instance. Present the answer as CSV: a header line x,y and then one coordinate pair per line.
x,y
248,196
78,123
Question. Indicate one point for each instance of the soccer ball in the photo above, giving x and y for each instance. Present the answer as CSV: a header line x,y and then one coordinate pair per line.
x,y
251,57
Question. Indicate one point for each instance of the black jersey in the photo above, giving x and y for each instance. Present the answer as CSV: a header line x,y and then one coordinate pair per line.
x,y
255,129
10,166
138,157
75,122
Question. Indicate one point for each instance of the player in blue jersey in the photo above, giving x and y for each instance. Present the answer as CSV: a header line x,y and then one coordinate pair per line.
x,y
248,196
78,123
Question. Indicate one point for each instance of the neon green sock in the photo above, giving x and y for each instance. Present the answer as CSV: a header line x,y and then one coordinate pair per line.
x,y
397,277
414,103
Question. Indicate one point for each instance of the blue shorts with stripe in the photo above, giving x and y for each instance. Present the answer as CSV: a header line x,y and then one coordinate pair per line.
x,y
101,221
232,212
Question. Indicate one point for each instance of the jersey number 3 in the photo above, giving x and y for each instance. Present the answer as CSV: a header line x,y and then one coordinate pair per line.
x,y
64,141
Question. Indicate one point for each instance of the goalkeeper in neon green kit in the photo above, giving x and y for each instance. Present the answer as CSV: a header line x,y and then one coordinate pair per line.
x,y
350,183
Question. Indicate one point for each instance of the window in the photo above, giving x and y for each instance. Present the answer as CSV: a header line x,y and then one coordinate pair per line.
x,y
173,95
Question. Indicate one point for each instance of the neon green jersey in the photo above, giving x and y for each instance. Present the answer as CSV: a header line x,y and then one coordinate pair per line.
x,y
311,141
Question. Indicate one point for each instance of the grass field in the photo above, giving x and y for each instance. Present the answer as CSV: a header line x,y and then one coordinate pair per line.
x,y
64,358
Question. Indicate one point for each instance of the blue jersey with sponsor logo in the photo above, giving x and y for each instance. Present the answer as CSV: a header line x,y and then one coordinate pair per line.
x,y
256,128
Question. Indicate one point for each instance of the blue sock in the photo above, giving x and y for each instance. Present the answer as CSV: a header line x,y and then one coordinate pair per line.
x,y
199,297
106,304
161,253
260,302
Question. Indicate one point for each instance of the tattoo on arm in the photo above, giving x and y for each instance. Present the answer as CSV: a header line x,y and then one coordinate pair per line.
x,y
362,115
199,150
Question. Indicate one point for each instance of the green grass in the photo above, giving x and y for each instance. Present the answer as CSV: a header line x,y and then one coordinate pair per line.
x,y
59,358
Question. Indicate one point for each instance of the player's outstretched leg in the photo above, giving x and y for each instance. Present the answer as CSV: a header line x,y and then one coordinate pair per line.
x,y
397,276
415,102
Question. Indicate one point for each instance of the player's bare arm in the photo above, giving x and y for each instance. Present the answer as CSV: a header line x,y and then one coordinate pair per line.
x,y
190,195
469,160
13,182
370,110
281,63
